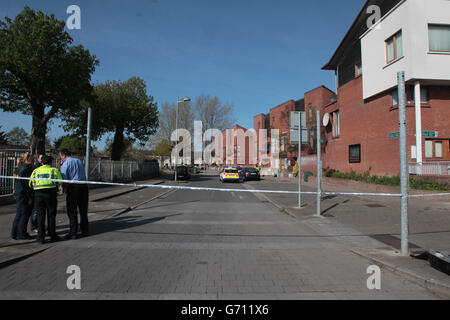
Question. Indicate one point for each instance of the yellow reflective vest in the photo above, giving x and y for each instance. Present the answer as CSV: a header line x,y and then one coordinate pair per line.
x,y
45,172
295,170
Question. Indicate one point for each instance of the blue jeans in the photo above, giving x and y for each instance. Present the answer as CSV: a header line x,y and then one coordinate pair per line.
x,y
34,220
23,213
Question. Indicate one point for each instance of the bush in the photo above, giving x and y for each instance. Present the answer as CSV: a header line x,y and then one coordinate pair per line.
x,y
418,184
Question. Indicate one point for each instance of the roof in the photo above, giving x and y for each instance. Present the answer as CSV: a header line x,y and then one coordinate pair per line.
x,y
358,28
282,104
322,86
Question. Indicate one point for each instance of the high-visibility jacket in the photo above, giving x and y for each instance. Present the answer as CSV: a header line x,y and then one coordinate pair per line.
x,y
295,170
45,172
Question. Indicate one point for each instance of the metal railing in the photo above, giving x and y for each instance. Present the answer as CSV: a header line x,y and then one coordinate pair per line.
x,y
99,170
430,168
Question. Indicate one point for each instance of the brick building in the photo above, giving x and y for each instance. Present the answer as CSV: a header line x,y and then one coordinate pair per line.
x,y
362,134
238,145
278,118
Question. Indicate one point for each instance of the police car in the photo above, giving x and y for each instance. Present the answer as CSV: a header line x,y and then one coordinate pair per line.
x,y
230,175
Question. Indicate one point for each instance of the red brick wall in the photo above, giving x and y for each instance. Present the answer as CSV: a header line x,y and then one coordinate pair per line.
x,y
369,124
281,115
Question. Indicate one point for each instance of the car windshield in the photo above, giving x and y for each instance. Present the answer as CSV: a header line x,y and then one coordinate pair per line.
x,y
231,171
251,170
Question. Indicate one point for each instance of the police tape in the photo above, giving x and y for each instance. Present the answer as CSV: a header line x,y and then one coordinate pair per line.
x,y
392,195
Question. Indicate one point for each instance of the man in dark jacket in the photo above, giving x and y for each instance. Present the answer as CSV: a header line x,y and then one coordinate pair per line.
x,y
34,213
23,195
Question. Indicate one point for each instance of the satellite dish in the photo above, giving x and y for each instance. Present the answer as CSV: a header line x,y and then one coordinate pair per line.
x,y
326,119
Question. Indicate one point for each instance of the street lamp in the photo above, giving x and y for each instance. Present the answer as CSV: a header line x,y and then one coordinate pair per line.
x,y
176,125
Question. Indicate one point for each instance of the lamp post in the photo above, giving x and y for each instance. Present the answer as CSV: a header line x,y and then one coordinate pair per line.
x,y
176,125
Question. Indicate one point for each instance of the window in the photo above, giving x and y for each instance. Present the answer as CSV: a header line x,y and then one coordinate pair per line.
x,y
394,47
439,38
429,149
437,149
355,154
358,70
410,93
336,124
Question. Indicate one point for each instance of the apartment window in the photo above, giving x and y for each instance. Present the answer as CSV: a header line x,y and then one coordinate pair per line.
x,y
410,93
394,47
358,70
439,38
355,154
437,149
310,112
336,124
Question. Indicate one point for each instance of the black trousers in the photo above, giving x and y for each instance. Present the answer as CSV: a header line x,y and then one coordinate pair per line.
x,y
45,201
77,200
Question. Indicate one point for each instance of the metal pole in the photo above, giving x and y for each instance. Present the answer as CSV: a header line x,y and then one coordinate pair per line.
x,y
176,146
88,142
319,164
404,175
299,160
418,109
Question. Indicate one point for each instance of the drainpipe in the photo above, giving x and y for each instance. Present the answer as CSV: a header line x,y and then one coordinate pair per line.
x,y
417,102
336,79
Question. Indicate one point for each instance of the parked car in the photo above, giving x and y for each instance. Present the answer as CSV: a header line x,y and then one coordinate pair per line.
x,y
241,174
252,174
230,175
182,173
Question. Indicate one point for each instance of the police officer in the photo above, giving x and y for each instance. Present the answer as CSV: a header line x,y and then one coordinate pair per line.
x,y
45,197
23,195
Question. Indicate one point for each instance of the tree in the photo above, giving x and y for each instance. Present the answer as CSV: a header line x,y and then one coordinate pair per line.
x,y
73,143
213,113
123,108
40,70
18,137
168,119
163,149
3,139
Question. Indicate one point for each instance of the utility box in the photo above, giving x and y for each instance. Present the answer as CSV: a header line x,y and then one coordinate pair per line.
x,y
307,176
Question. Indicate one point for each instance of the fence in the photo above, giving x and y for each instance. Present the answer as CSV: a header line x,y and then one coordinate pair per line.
x,y
99,170
430,168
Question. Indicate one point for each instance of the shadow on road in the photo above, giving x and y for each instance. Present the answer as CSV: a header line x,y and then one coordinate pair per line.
x,y
121,223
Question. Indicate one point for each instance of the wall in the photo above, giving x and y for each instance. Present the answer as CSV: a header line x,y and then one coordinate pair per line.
x,y
370,122
412,17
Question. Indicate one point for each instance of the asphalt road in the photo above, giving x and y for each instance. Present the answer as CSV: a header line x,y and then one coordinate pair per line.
x,y
202,245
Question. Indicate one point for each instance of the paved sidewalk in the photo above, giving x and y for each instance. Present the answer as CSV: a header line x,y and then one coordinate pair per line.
x,y
12,251
361,220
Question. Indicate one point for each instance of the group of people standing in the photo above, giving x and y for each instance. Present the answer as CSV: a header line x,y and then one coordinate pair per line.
x,y
36,199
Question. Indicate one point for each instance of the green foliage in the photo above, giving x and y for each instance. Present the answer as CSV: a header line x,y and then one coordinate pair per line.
x,y
163,149
73,143
40,69
419,184
18,137
123,108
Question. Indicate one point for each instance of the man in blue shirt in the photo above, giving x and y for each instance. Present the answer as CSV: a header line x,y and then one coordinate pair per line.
x,y
77,195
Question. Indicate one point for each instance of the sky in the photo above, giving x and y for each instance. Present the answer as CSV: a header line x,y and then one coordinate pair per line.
x,y
254,54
